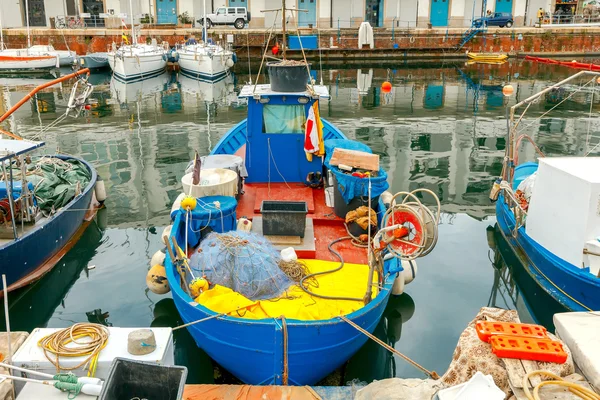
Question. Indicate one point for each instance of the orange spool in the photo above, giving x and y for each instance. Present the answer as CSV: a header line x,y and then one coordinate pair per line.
x,y
386,87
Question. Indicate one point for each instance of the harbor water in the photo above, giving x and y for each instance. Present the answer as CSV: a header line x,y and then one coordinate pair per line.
x,y
442,127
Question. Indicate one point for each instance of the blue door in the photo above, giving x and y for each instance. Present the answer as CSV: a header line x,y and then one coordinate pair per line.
x,y
439,12
310,17
166,11
504,6
238,3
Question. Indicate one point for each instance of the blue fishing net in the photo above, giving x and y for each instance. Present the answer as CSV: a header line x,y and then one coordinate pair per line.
x,y
244,262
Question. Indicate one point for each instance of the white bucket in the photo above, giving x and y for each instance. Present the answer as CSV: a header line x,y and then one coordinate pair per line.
x,y
213,182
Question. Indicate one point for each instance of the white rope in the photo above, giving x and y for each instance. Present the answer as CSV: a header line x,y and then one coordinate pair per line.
x,y
275,165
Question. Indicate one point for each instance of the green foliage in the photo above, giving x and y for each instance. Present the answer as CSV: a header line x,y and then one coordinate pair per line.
x,y
185,18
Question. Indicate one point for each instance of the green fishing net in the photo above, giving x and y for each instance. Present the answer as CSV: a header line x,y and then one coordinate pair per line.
x,y
57,181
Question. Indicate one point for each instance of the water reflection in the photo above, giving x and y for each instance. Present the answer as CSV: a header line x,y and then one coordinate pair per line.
x,y
514,287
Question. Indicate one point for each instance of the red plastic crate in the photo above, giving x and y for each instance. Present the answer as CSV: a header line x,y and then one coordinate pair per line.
x,y
528,349
487,329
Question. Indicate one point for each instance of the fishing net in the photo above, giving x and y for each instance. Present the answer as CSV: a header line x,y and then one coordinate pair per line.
x,y
244,262
57,181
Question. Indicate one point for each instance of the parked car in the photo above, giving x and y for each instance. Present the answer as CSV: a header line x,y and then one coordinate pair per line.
x,y
236,16
497,19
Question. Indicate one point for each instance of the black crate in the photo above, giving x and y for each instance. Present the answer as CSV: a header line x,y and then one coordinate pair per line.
x,y
284,218
129,379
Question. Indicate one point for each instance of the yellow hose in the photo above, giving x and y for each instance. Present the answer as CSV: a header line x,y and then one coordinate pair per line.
x,y
574,388
56,343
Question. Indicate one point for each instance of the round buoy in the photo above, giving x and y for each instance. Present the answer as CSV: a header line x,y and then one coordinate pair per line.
x,y
275,50
229,62
189,203
100,190
156,280
197,286
158,258
508,90
386,87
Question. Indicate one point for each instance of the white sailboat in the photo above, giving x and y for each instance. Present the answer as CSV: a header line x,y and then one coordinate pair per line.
x,y
22,60
204,61
135,61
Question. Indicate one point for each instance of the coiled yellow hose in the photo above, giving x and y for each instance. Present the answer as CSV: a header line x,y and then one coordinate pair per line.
x,y
574,388
57,344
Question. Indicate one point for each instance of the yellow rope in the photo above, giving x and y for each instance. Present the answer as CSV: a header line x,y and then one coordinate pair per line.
x,y
58,343
577,390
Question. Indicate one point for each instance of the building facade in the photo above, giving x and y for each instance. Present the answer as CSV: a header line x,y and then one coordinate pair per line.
x,y
319,13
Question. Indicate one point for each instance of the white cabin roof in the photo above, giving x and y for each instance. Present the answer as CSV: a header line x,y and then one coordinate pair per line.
x,y
265,90
11,148
584,168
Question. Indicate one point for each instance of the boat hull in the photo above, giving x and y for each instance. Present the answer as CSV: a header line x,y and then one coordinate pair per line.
x,y
253,350
572,287
204,67
38,250
131,68
94,61
10,63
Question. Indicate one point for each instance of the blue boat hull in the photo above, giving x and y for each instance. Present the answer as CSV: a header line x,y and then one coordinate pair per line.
x,y
572,287
253,350
38,250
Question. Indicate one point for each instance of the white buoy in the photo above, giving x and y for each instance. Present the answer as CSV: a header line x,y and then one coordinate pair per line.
x,y
229,62
244,225
100,190
165,235
386,197
405,277
158,258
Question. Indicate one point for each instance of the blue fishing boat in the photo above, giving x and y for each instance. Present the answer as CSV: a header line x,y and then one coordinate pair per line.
x,y
45,202
546,211
285,196
45,205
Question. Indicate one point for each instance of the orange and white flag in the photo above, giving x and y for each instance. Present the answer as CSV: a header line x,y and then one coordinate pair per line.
x,y
313,135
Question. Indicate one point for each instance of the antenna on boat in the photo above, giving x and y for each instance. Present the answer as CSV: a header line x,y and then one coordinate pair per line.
x,y
283,9
204,38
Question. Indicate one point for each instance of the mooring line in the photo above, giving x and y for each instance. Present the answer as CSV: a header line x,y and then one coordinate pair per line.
x,y
432,374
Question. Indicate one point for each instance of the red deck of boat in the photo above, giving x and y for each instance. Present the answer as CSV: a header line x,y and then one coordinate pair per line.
x,y
328,226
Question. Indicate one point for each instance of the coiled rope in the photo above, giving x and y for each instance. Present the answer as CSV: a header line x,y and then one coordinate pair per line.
x,y
574,388
57,344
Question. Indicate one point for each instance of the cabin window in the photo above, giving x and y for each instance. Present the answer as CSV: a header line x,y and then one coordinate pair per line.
x,y
283,118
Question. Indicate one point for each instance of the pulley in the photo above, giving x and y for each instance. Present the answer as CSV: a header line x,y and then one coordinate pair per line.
x,y
409,228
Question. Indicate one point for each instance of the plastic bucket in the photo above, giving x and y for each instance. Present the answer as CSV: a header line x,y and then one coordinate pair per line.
x,y
287,78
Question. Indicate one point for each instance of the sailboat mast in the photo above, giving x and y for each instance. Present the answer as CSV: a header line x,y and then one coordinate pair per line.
x,y
133,40
283,27
1,34
27,20
204,38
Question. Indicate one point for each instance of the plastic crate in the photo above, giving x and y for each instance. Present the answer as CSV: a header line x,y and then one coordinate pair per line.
x,y
129,379
284,218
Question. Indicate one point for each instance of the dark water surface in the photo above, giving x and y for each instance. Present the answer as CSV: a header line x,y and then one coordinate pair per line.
x,y
441,128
